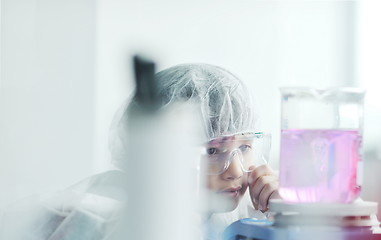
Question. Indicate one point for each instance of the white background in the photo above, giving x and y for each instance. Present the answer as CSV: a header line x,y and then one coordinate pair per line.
x,y
66,68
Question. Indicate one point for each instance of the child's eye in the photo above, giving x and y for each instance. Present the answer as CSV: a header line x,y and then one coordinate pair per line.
x,y
211,151
244,148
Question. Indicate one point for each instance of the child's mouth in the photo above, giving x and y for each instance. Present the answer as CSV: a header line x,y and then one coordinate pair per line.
x,y
231,192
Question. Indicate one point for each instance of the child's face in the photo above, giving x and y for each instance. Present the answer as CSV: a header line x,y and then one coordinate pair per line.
x,y
228,186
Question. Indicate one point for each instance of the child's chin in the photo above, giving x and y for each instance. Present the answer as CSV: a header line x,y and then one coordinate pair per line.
x,y
220,205
230,207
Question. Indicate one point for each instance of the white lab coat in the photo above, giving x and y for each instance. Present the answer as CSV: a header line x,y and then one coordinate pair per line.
x,y
91,209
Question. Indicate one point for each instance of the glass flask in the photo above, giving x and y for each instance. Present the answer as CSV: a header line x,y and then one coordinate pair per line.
x,y
321,141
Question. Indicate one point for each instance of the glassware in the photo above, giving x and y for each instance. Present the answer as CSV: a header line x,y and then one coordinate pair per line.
x,y
321,140
252,149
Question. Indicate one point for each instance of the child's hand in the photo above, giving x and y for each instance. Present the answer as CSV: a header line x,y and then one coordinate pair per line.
x,y
263,185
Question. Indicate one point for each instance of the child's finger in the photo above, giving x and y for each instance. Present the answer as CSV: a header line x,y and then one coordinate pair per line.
x,y
260,171
258,185
275,194
255,205
265,194
263,184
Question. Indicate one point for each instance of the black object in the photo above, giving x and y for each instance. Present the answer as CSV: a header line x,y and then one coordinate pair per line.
x,y
146,95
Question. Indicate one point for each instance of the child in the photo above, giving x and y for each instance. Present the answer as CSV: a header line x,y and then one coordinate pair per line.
x,y
237,188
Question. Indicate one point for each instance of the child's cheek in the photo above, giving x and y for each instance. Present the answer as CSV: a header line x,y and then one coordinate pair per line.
x,y
213,182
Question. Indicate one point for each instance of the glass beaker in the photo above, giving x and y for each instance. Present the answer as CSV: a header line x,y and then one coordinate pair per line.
x,y
321,140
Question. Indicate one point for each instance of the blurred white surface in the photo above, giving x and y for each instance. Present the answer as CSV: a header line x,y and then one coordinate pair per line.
x,y
47,95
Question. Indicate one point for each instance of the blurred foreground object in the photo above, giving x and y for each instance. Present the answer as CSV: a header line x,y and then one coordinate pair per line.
x,y
87,210
160,165
152,196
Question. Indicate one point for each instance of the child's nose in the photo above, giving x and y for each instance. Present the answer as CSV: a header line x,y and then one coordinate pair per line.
x,y
234,171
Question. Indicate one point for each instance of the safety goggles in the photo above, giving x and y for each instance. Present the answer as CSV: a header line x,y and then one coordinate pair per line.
x,y
251,149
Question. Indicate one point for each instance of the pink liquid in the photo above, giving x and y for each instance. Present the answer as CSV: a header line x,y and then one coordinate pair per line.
x,y
319,165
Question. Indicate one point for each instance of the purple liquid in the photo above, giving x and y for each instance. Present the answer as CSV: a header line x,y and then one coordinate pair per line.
x,y
319,165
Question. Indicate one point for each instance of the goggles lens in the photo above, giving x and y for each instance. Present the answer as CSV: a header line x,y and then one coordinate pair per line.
x,y
249,148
